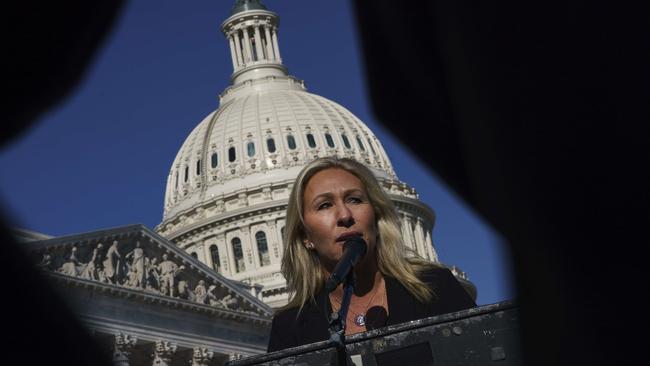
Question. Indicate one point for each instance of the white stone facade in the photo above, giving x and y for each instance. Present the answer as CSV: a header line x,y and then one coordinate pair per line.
x,y
232,177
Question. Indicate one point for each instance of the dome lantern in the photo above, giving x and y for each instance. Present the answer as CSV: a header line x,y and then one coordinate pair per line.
x,y
252,33
243,5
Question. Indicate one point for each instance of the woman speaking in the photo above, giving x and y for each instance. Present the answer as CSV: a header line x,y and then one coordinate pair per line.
x,y
333,200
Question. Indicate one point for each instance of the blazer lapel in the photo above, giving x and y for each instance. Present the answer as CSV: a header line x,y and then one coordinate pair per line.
x,y
313,321
402,306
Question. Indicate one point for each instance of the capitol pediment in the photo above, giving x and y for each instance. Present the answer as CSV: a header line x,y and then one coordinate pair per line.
x,y
136,263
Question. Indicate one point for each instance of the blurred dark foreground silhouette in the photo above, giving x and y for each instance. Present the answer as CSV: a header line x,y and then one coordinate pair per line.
x,y
535,114
48,48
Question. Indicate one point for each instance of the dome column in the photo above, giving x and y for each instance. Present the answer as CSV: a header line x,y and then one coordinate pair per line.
x,y
276,48
207,253
434,255
274,249
231,257
247,47
233,52
419,239
258,44
238,49
269,46
255,253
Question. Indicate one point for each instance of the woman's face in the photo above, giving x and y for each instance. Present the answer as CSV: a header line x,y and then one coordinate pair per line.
x,y
336,207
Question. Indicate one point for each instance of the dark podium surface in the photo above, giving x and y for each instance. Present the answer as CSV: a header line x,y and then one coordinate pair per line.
x,y
485,335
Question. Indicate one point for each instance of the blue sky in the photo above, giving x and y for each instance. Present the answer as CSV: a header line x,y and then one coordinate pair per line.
x,y
100,158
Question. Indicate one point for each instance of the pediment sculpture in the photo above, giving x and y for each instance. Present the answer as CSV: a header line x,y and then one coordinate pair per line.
x,y
144,264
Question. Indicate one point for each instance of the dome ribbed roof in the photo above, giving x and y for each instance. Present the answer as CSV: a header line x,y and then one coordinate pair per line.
x,y
255,127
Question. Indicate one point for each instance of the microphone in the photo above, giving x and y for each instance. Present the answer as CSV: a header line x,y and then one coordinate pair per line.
x,y
354,249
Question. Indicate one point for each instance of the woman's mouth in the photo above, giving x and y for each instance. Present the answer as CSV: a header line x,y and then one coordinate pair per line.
x,y
345,236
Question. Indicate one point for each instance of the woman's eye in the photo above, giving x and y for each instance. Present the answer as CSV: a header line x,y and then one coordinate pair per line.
x,y
355,200
324,205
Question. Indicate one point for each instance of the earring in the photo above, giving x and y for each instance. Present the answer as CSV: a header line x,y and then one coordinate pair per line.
x,y
309,245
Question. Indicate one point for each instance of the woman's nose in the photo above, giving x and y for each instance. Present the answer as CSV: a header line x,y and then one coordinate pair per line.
x,y
345,217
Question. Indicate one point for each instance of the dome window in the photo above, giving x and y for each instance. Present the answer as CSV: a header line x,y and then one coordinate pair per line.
x,y
237,251
329,139
363,148
371,147
231,154
193,254
262,248
310,140
250,147
214,254
187,173
214,160
176,179
346,142
291,142
198,167
270,145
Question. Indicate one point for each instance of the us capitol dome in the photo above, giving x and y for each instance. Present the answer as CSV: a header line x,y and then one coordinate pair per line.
x,y
228,186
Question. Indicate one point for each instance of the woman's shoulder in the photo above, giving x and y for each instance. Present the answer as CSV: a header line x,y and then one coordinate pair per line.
x,y
290,314
295,326
448,292
435,273
285,314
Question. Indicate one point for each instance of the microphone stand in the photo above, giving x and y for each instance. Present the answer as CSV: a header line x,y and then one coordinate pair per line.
x,y
337,320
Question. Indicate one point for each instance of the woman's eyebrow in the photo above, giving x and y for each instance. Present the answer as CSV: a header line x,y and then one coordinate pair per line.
x,y
322,195
331,195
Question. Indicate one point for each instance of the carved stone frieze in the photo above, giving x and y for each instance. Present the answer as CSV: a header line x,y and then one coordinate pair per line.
x,y
143,262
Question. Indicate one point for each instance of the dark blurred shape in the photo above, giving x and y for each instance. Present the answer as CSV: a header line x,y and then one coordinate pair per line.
x,y
536,115
47,49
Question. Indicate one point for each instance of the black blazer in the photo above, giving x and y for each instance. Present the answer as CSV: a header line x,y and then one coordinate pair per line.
x,y
311,325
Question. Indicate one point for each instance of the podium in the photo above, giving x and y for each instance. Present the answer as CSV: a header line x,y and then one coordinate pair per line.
x,y
485,335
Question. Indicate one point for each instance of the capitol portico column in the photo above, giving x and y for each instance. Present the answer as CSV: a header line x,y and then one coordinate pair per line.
x,y
276,48
269,47
163,353
258,43
122,348
201,356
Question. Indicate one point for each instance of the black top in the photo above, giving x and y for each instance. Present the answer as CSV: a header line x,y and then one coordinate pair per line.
x,y
311,325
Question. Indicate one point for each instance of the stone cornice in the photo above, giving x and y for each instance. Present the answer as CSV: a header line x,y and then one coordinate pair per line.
x,y
422,209
187,340
224,218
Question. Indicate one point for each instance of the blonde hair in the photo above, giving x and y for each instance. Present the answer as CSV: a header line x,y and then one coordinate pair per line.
x,y
301,267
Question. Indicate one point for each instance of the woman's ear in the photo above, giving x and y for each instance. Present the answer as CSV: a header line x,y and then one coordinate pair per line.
x,y
308,244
